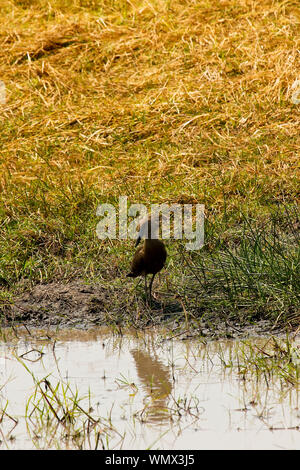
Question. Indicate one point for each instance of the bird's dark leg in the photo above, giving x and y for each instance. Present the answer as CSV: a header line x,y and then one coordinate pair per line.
x,y
150,287
146,289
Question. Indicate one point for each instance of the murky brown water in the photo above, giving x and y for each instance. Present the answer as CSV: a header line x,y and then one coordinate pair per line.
x,y
150,392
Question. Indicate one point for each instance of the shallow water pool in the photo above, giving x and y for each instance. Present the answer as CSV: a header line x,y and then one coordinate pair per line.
x,y
141,390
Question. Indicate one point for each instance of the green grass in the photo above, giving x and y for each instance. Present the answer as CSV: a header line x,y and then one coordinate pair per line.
x,y
161,102
250,271
264,363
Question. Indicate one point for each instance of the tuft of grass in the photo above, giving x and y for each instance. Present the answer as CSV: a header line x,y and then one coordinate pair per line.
x,y
271,360
55,418
248,272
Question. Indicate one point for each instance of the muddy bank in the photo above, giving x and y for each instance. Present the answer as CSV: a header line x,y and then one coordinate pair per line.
x,y
77,305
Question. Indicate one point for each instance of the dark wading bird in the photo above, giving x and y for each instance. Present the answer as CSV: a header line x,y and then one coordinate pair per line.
x,y
150,257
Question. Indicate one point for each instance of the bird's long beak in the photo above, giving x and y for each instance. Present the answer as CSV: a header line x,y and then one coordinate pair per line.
x,y
137,241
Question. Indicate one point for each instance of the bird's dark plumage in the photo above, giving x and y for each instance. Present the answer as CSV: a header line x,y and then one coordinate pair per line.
x,y
149,258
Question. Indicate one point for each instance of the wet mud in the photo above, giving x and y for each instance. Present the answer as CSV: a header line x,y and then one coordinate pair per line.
x,y
78,305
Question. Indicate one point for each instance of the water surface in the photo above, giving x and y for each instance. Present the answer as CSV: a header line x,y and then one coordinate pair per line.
x,y
146,390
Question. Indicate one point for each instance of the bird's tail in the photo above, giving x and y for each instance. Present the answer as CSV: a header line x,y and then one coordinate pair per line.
x,y
130,275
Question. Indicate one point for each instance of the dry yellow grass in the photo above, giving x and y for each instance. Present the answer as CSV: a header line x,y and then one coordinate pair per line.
x,y
195,91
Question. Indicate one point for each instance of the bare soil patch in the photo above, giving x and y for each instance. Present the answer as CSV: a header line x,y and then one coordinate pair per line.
x,y
61,304
77,305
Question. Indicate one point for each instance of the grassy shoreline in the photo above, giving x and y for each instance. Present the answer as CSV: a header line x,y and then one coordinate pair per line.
x,y
245,274
187,102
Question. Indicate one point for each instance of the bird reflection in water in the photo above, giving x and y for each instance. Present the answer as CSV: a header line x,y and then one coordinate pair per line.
x,y
156,381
